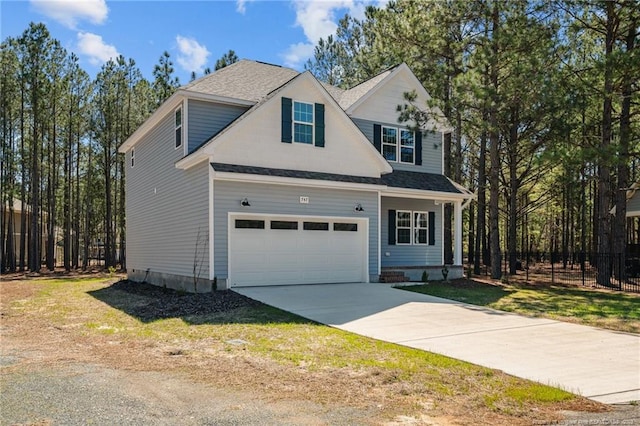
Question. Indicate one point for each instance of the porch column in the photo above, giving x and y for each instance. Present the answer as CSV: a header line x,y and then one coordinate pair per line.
x,y
457,245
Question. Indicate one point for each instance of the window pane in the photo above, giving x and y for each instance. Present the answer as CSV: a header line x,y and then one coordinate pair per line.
x,y
303,112
178,136
421,220
389,152
345,226
249,224
283,224
316,226
406,155
178,118
404,220
406,138
303,133
421,236
389,135
404,236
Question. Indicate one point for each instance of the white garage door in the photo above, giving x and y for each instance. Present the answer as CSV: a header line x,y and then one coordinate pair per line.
x,y
271,250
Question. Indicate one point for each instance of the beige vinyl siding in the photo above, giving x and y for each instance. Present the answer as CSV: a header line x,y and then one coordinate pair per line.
x,y
283,199
207,118
633,205
410,255
165,207
431,148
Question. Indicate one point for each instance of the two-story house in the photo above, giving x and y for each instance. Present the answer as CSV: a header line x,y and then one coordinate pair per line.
x,y
260,175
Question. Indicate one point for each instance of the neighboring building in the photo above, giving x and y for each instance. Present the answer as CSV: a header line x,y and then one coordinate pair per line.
x,y
259,175
633,200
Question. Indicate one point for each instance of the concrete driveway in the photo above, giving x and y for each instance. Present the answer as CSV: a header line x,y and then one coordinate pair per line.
x,y
598,364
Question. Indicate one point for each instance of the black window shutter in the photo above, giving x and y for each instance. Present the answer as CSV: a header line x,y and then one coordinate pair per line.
x,y
377,137
286,120
392,227
419,148
319,112
432,228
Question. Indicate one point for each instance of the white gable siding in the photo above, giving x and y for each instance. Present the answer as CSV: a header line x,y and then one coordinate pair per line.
x,y
256,140
380,106
165,207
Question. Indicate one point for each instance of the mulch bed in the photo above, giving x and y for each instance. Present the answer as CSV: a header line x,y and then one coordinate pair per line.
x,y
162,303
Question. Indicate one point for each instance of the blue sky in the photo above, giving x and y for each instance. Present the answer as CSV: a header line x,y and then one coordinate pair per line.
x,y
195,33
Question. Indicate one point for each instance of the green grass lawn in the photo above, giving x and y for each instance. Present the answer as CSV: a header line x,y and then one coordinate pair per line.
x,y
601,308
296,344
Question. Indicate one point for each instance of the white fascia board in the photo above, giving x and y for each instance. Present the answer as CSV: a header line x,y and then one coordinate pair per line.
x,y
192,159
424,195
633,213
198,96
277,180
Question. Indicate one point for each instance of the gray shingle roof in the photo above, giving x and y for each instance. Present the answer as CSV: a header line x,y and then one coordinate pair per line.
x,y
396,179
245,79
420,180
298,174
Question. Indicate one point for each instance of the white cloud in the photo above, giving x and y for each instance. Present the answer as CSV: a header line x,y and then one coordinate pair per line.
x,y
298,53
192,56
318,19
95,48
69,12
241,6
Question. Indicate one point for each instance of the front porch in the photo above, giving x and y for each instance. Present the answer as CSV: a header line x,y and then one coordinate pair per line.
x,y
411,238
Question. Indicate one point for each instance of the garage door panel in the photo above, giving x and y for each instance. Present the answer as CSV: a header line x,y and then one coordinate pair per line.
x,y
268,256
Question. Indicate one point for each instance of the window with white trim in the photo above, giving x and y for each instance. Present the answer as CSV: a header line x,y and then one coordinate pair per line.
x,y
420,227
178,126
133,158
390,143
407,147
403,227
302,122
398,145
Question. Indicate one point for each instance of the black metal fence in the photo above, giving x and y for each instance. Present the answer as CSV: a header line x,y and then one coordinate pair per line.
x,y
606,270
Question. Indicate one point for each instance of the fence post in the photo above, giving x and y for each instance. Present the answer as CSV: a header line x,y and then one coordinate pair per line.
x,y
620,275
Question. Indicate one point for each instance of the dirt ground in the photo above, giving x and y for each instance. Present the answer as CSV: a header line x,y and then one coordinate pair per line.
x,y
53,374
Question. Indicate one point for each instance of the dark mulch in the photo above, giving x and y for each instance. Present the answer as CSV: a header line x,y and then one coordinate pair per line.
x,y
162,303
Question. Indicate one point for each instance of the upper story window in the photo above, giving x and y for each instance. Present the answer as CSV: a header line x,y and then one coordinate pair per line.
x,y
407,147
398,145
402,150
302,122
178,127
390,143
133,157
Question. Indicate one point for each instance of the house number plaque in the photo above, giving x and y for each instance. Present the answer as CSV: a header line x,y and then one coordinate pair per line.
x,y
304,200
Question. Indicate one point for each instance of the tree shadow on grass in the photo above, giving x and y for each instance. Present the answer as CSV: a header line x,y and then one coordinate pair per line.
x,y
149,303
465,291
